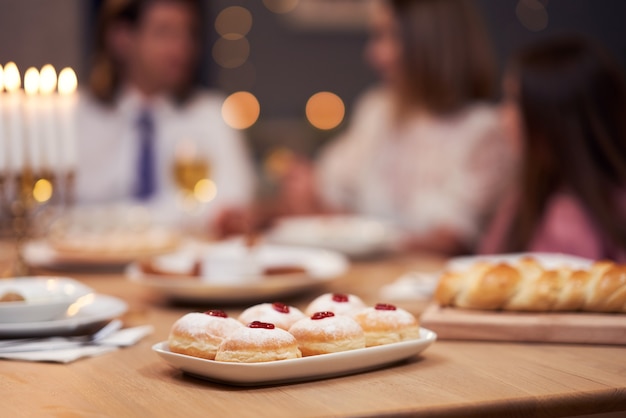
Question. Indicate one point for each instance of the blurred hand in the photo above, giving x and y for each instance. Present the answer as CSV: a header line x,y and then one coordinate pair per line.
x,y
233,221
297,190
442,241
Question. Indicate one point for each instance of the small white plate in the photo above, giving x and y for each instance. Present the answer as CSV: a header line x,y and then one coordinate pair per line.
x,y
45,298
321,267
297,370
354,236
86,312
547,260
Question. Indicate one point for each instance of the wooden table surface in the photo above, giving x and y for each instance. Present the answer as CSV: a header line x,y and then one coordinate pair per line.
x,y
468,379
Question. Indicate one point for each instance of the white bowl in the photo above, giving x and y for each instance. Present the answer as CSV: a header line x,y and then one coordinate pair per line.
x,y
46,298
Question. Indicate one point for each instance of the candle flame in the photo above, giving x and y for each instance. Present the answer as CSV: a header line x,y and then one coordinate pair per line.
x,y
31,81
67,81
47,79
12,79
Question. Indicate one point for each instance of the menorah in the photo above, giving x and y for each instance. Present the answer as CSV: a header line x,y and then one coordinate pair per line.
x,y
37,148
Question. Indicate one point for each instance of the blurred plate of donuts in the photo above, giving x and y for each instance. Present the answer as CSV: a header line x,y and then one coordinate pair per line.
x,y
354,236
299,369
107,235
97,251
231,272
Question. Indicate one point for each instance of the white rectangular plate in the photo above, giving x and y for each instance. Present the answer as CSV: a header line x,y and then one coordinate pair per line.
x,y
297,370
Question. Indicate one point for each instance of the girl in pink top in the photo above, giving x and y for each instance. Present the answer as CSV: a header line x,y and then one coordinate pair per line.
x,y
565,102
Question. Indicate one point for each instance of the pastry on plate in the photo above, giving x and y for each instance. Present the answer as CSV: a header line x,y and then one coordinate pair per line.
x,y
257,343
325,332
200,334
338,303
386,324
526,286
276,313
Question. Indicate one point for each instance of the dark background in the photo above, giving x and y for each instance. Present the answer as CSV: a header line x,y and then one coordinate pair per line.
x,y
287,64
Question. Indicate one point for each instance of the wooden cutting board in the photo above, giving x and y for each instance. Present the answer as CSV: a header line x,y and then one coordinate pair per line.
x,y
586,328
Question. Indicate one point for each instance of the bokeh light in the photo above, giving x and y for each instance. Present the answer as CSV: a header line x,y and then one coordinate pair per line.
x,y
532,14
325,110
281,6
1,78
231,53
205,190
42,191
241,110
233,23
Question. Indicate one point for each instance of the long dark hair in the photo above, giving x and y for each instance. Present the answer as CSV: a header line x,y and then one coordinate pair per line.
x,y
447,59
107,69
572,98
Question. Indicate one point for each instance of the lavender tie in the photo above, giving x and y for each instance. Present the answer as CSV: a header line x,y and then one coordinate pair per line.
x,y
146,176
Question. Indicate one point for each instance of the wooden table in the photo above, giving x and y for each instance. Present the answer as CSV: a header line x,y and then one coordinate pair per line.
x,y
468,379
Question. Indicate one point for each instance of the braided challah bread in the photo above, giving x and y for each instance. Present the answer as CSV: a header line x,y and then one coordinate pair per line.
x,y
527,286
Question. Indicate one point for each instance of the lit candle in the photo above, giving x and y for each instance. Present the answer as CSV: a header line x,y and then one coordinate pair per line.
x,y
33,119
15,134
4,144
47,86
67,108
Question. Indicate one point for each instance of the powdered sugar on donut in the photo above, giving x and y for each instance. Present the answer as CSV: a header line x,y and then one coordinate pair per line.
x,y
326,302
265,312
260,337
398,318
331,328
197,324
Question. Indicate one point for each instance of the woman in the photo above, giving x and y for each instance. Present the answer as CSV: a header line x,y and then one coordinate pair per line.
x,y
565,101
147,132
425,150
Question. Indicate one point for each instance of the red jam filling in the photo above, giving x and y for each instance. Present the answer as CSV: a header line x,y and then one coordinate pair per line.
x,y
322,315
340,297
280,307
259,324
217,312
385,307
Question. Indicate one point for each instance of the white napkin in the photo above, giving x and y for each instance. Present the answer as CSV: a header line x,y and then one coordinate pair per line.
x,y
63,355
64,350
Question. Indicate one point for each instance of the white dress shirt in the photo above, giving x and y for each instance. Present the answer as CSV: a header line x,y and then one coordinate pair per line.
x,y
431,172
108,152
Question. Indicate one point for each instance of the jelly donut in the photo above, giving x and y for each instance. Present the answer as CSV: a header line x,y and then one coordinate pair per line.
x,y
277,313
325,332
337,303
200,334
258,342
386,324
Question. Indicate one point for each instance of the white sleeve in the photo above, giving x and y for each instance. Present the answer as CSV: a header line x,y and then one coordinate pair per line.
x,y
340,163
485,169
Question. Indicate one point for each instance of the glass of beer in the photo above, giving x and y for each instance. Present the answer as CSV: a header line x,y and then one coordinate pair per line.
x,y
192,173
